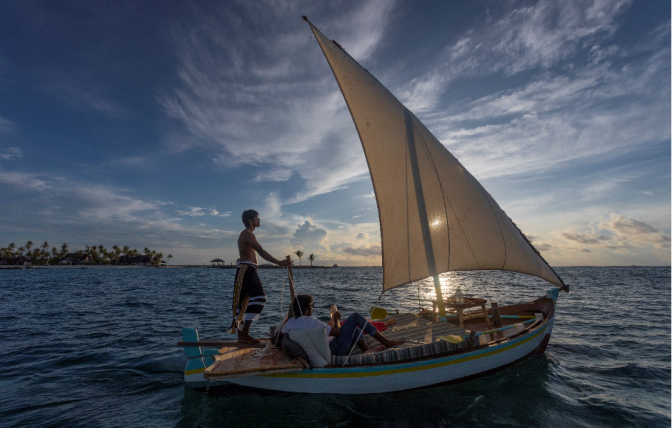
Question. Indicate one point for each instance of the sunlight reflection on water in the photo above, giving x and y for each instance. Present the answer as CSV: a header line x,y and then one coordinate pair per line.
x,y
97,347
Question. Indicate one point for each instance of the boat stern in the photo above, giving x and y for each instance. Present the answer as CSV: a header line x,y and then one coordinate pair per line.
x,y
197,359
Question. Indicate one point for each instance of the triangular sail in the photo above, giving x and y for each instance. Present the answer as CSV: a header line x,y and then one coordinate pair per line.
x,y
434,216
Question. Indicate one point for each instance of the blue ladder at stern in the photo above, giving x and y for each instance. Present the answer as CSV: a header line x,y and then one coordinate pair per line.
x,y
197,359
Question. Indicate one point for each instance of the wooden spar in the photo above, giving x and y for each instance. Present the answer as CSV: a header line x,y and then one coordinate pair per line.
x,y
221,344
292,292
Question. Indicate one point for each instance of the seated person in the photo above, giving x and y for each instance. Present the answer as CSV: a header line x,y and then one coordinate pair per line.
x,y
341,337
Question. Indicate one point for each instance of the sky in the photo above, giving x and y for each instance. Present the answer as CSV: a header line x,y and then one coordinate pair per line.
x,y
156,124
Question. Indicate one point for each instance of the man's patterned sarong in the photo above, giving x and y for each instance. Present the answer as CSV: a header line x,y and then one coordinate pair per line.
x,y
249,297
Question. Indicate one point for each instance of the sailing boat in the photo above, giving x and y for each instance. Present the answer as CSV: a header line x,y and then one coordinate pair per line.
x,y
435,217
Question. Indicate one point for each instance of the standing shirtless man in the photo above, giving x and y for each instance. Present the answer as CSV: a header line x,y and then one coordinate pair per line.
x,y
249,297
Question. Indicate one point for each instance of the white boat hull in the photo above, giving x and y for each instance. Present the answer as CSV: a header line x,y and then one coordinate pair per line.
x,y
395,377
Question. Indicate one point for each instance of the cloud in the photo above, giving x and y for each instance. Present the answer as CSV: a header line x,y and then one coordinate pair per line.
x,y
5,125
277,174
635,230
544,246
522,38
566,110
20,180
362,235
616,240
585,237
58,207
11,153
540,246
197,212
309,236
266,97
362,251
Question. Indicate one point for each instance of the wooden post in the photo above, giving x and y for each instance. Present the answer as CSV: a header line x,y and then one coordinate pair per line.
x,y
460,316
487,318
496,318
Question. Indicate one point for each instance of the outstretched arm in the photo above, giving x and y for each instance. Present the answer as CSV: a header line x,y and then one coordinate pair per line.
x,y
252,242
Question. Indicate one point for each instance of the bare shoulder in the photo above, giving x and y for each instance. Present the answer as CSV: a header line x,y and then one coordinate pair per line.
x,y
246,237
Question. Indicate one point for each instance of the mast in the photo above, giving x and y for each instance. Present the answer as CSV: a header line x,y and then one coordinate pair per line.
x,y
424,224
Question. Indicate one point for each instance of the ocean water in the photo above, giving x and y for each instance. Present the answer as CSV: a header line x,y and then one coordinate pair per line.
x,y
97,347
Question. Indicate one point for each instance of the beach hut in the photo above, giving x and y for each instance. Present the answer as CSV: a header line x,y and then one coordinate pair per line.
x,y
217,262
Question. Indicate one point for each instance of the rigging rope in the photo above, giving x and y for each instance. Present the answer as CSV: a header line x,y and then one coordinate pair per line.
x,y
361,331
257,354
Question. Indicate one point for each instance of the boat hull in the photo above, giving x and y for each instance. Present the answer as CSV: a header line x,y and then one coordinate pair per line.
x,y
396,377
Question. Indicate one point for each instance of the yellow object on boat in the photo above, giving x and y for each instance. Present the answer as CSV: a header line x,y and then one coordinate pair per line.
x,y
379,313
452,338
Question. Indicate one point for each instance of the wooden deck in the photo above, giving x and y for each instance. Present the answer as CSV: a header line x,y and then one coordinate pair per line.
x,y
235,362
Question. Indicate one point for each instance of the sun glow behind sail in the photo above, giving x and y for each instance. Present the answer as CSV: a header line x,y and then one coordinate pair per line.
x,y
434,215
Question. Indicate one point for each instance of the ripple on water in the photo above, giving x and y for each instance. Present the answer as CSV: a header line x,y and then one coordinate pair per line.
x,y
96,347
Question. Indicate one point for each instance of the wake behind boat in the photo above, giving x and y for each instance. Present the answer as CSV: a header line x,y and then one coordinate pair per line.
x,y
435,217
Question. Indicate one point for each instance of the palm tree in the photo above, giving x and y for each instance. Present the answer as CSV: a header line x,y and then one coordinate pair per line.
x,y
116,252
311,258
299,254
29,244
93,251
42,256
169,256
64,250
45,253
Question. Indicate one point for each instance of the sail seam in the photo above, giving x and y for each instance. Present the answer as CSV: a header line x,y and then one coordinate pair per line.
x,y
499,225
447,199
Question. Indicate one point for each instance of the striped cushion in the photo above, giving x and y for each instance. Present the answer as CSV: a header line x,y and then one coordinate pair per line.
x,y
422,340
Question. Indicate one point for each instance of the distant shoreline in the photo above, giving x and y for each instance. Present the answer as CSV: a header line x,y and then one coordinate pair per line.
x,y
158,267
42,267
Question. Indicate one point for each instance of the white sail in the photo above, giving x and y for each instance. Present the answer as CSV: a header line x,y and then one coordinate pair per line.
x,y
434,216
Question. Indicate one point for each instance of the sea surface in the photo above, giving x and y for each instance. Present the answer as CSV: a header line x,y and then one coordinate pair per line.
x,y
97,348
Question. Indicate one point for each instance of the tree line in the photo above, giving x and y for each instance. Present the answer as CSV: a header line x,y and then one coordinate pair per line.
x,y
311,257
95,254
